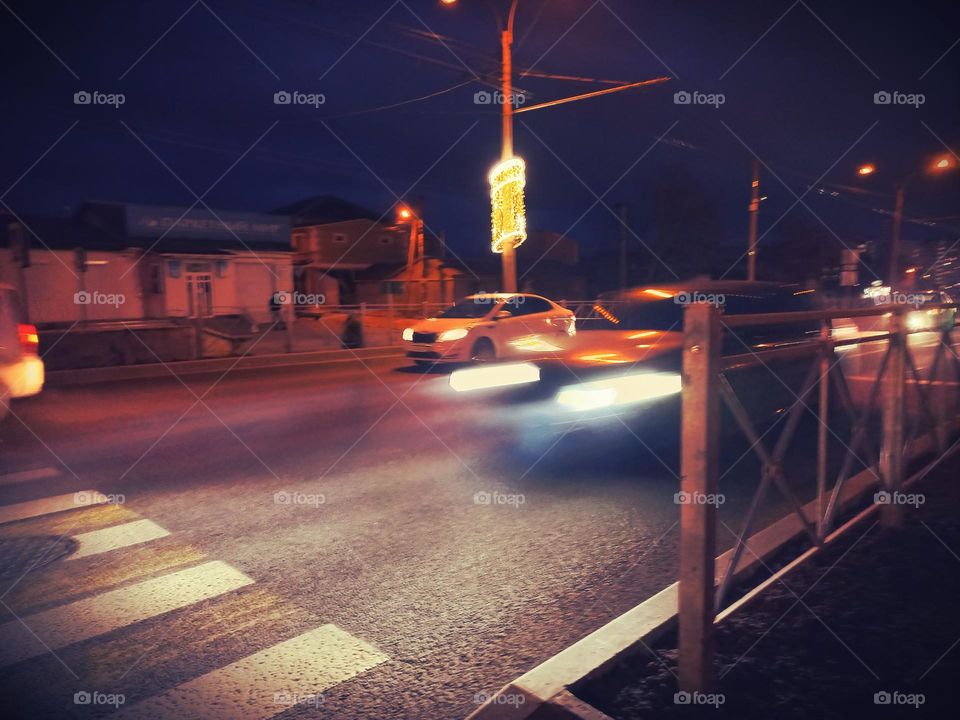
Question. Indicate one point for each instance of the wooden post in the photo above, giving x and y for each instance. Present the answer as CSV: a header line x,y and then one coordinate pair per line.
x,y
891,452
698,479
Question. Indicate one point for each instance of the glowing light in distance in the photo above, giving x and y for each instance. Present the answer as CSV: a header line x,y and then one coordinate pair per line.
x,y
408,334
508,214
620,391
658,293
494,376
865,169
455,334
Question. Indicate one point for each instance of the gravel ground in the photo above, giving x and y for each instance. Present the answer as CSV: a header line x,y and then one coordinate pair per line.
x,y
875,633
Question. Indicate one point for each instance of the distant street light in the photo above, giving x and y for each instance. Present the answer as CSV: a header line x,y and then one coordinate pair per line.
x,y
940,164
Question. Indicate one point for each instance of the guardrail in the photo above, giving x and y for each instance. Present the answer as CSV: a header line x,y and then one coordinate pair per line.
x,y
702,594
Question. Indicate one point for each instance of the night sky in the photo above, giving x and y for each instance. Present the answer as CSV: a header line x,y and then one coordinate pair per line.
x,y
798,81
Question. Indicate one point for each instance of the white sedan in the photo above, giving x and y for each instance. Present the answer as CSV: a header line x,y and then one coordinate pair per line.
x,y
488,327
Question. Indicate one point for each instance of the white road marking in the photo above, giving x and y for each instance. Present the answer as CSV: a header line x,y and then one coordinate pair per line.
x,y
87,618
46,506
259,686
25,475
118,536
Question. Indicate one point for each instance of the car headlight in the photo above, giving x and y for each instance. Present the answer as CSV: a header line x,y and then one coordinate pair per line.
x,y
454,334
494,376
619,391
408,334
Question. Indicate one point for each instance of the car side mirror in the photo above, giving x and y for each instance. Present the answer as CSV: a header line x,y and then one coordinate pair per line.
x,y
502,315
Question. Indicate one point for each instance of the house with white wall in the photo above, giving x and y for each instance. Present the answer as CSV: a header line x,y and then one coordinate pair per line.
x,y
123,262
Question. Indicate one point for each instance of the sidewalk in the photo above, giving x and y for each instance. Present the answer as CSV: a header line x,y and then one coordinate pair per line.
x,y
869,628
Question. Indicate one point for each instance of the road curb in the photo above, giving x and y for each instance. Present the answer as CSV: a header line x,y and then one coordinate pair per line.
x,y
546,687
85,376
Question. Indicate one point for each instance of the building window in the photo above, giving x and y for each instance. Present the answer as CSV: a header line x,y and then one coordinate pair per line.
x,y
173,266
339,238
221,268
156,279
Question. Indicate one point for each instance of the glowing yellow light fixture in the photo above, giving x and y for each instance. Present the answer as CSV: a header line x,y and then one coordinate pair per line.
x,y
508,216
866,169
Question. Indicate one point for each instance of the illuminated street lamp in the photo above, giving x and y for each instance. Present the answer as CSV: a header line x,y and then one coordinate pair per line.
x,y
939,164
415,249
508,177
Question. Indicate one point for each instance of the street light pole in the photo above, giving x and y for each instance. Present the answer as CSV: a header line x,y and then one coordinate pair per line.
x,y
941,164
754,213
509,254
895,237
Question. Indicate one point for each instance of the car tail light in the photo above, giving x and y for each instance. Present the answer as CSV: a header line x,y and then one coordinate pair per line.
x,y
29,340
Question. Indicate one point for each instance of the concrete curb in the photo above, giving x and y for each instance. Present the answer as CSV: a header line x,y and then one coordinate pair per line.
x,y
545,688
84,376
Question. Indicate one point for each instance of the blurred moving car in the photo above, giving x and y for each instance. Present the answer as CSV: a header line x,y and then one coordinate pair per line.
x,y
489,326
624,361
21,369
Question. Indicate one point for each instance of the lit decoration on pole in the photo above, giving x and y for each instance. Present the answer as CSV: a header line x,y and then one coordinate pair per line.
x,y
509,218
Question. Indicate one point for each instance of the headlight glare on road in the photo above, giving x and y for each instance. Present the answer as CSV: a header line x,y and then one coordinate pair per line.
x,y
619,391
408,334
494,376
455,334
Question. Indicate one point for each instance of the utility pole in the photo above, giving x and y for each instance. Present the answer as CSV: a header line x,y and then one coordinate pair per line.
x,y
895,238
622,208
506,147
754,214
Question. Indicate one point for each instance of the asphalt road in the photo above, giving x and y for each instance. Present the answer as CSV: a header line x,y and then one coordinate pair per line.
x,y
369,499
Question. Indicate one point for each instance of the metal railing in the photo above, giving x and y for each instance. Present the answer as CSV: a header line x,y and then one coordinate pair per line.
x,y
904,436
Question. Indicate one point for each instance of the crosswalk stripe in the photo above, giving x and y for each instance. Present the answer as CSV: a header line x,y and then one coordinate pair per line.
x,y
118,536
71,522
87,618
45,506
59,583
25,475
261,685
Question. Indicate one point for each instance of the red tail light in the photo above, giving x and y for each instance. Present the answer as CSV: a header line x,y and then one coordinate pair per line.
x,y
29,340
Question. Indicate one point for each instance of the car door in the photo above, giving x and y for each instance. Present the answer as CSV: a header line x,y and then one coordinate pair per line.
x,y
531,316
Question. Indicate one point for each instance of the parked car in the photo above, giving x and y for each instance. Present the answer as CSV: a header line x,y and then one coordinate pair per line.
x,y
21,369
489,326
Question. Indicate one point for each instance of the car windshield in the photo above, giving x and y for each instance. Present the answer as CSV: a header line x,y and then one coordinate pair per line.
x,y
470,308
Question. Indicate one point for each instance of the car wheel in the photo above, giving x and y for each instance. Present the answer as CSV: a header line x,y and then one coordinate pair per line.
x,y
483,351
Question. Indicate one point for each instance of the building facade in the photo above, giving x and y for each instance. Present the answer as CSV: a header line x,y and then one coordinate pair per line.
x,y
122,262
